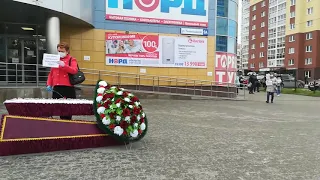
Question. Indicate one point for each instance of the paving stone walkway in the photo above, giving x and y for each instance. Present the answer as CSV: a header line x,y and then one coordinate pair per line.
x,y
197,140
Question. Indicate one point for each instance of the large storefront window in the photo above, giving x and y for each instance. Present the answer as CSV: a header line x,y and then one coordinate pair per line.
x,y
222,26
233,10
222,8
21,47
232,28
221,44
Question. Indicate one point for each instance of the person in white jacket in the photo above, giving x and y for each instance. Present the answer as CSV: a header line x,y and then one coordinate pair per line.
x,y
271,86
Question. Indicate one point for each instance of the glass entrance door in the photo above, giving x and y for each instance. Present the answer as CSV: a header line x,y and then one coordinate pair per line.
x,y
22,60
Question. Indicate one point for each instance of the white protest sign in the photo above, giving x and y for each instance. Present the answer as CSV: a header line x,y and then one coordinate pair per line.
x,y
50,60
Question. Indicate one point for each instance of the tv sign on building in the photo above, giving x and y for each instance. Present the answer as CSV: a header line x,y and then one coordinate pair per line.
x,y
172,12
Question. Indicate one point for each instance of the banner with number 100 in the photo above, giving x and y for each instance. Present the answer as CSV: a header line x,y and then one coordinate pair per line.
x,y
153,50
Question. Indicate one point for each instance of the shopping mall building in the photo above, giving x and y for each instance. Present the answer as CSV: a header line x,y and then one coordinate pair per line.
x,y
193,39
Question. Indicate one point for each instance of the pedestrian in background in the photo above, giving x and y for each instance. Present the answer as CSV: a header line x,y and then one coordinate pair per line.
x,y
278,83
271,86
58,79
237,83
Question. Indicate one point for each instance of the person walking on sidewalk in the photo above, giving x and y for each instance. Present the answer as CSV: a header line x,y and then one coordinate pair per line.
x,y
58,79
278,82
271,86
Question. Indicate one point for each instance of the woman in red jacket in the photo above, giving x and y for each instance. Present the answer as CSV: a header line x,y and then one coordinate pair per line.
x,y
58,78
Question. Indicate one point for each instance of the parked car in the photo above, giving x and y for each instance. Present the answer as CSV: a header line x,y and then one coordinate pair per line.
x,y
290,83
312,86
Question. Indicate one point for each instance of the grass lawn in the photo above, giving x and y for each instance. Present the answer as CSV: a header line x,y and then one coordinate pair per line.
x,y
300,91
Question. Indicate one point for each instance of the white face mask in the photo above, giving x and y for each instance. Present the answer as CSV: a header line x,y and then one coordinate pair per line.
x,y
62,54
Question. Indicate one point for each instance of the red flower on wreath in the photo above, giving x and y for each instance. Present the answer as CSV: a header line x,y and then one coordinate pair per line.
x,y
102,116
136,110
133,119
126,112
125,94
112,115
142,120
139,131
112,126
107,104
124,125
134,99
119,101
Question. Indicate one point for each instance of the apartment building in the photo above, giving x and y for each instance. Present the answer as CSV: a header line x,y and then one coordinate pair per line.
x,y
303,38
258,35
244,50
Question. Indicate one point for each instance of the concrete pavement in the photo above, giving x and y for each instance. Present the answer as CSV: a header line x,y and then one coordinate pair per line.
x,y
198,139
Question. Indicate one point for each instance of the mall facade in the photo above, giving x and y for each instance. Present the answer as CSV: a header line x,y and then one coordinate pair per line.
x,y
194,39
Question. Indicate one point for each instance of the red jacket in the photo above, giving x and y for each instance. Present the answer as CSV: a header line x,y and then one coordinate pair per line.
x,y
60,76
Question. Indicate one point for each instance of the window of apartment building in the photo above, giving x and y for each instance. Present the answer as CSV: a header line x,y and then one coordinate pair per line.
x,y
253,27
292,26
261,64
308,48
291,62
252,65
262,34
253,46
291,50
254,17
310,10
308,61
253,37
254,8
263,4
263,24
263,14
292,14
292,2
308,36
307,74
253,56
291,38
262,44
261,54
309,23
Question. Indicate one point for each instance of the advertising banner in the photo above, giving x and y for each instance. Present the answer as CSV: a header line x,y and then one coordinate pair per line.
x,y
172,12
225,68
156,51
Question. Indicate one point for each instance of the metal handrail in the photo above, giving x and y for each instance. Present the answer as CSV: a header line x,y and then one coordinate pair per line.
x,y
172,84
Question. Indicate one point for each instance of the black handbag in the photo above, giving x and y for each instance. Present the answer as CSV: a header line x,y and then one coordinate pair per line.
x,y
77,78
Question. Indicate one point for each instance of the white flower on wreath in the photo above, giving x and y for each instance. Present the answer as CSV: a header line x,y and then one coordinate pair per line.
x,y
130,106
118,130
138,117
112,99
113,87
118,118
127,118
130,95
118,105
142,126
122,89
100,90
101,110
106,121
143,115
134,133
119,93
103,83
137,103
127,99
135,125
99,98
